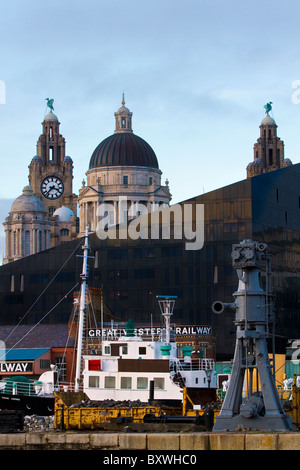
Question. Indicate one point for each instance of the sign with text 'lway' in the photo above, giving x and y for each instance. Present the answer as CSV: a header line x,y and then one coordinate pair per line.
x,y
15,367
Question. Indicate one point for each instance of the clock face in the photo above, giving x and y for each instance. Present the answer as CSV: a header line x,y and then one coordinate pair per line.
x,y
52,187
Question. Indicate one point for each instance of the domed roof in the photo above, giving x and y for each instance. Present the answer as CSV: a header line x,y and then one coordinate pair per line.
x,y
287,162
51,117
68,159
123,149
64,214
27,202
123,110
268,121
36,158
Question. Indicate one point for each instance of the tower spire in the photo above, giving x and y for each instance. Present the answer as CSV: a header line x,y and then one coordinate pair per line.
x,y
123,118
269,148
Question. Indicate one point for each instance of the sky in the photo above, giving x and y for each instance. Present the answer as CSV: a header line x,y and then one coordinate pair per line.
x,y
196,74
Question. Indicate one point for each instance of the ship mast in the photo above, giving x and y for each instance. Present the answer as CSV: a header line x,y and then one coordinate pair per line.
x,y
166,303
84,277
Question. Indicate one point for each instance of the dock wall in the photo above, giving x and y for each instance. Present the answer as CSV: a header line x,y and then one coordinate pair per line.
x,y
149,442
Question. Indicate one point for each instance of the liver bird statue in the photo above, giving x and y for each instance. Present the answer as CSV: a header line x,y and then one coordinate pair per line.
x,y
50,104
268,107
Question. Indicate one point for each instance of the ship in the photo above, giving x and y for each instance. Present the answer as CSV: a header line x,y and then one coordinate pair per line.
x,y
131,368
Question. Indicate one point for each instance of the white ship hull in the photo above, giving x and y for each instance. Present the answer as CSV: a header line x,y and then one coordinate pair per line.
x,y
133,369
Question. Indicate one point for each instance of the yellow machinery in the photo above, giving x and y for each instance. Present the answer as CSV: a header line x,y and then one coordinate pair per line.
x,y
67,417
69,414
295,412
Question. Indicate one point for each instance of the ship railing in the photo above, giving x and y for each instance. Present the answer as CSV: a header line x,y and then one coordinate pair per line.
x,y
35,388
28,388
68,387
194,364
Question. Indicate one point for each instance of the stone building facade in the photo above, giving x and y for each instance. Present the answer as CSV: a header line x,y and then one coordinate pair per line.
x,y
27,227
123,182
123,179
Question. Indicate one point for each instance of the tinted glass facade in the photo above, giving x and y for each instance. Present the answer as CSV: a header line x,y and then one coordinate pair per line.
x,y
133,272
276,220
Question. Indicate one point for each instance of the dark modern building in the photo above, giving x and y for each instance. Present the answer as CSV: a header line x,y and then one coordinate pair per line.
x,y
132,273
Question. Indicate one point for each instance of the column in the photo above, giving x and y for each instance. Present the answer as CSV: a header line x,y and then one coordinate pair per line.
x,y
7,243
116,213
95,215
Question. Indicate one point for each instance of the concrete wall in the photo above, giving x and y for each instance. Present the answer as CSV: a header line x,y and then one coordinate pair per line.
x,y
148,442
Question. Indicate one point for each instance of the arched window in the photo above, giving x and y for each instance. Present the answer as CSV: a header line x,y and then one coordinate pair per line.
x,y
64,231
27,242
40,240
270,157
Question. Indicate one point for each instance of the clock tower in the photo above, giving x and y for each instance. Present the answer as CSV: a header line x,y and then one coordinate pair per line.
x,y
51,171
51,179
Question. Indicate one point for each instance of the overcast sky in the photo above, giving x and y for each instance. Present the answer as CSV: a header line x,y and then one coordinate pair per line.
x,y
196,75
